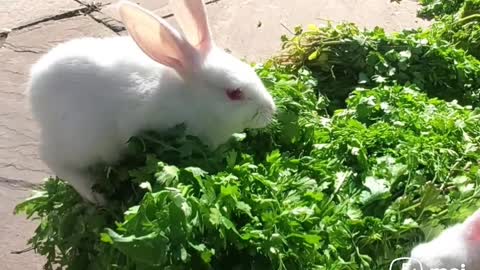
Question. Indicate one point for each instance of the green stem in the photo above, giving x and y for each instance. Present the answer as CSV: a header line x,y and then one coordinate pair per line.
x,y
467,19
410,207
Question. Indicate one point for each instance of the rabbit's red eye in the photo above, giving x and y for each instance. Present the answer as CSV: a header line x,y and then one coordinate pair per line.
x,y
235,94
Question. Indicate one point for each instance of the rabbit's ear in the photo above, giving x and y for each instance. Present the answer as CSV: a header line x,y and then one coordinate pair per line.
x,y
157,38
192,17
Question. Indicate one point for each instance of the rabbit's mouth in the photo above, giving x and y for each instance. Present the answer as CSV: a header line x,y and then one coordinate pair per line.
x,y
262,118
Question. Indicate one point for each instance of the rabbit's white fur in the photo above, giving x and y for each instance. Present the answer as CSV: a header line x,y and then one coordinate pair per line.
x,y
90,95
457,247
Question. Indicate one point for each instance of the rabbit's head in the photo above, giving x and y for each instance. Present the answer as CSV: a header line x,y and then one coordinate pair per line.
x,y
224,89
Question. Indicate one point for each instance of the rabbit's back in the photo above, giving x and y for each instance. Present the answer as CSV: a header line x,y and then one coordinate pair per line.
x,y
83,94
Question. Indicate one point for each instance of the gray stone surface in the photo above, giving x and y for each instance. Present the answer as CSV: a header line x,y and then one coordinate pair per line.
x,y
14,13
3,35
15,232
160,7
249,28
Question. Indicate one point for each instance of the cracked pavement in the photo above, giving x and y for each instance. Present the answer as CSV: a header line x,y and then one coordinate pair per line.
x,y
250,29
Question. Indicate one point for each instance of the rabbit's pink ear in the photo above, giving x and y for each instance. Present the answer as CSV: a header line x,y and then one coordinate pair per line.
x,y
192,17
157,38
472,226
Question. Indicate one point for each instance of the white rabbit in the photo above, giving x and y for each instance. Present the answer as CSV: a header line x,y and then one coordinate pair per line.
x,y
457,247
90,95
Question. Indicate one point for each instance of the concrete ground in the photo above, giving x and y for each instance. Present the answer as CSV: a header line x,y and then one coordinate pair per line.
x,y
249,28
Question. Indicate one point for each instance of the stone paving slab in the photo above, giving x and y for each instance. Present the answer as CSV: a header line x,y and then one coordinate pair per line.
x,y
15,13
15,232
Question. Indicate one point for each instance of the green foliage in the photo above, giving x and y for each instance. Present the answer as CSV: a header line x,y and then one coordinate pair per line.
x,y
375,148
343,57
462,28
440,8
433,8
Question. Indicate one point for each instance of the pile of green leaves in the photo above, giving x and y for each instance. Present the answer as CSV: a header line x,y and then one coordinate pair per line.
x,y
433,8
439,8
375,148
442,60
462,28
